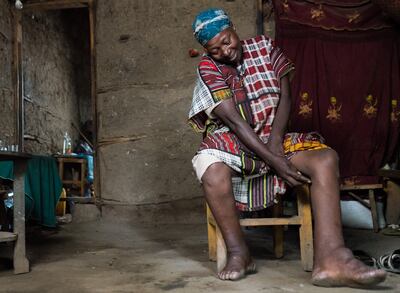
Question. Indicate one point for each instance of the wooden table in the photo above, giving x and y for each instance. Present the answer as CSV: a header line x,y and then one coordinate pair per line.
x,y
21,263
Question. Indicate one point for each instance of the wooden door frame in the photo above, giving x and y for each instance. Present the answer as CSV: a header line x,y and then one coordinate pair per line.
x,y
17,70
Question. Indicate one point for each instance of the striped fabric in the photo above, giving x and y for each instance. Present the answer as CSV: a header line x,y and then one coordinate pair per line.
x,y
256,193
255,88
294,142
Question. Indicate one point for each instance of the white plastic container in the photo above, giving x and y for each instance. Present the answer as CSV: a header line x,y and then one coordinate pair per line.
x,y
355,215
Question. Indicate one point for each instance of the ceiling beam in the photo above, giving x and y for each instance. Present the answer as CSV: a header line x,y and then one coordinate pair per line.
x,y
55,4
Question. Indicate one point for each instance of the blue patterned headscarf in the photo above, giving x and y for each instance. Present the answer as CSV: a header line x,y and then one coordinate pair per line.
x,y
209,23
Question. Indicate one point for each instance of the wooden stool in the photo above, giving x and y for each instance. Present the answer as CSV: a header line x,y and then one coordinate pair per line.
x,y
371,196
216,245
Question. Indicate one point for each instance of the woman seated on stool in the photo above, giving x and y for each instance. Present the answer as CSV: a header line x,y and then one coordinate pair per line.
x,y
241,105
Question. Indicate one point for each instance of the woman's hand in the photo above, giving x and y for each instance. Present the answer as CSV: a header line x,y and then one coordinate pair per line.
x,y
227,112
285,169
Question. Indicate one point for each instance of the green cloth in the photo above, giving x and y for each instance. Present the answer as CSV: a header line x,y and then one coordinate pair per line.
x,y
42,188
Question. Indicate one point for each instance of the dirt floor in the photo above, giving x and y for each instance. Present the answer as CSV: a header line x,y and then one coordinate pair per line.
x,y
120,257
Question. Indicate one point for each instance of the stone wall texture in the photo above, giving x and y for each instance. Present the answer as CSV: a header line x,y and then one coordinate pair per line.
x,y
6,90
145,81
56,84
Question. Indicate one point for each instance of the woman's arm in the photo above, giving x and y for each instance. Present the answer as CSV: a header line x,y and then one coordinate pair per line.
x,y
227,112
275,142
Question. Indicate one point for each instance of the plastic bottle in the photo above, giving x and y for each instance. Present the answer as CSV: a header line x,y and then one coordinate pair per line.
x,y
64,151
67,145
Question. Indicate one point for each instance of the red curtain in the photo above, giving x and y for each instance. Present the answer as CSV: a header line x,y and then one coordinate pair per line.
x,y
347,81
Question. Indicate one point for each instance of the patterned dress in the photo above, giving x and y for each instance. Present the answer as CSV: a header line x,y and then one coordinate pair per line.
x,y
255,88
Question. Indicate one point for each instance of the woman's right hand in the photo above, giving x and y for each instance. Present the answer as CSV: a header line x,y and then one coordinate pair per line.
x,y
226,111
285,169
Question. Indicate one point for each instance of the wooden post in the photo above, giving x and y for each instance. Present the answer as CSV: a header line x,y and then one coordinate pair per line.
x,y
21,263
93,93
17,79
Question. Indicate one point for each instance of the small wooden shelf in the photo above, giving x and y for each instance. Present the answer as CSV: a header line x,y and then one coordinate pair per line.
x,y
80,164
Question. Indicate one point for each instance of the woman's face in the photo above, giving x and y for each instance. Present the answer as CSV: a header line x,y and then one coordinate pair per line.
x,y
225,47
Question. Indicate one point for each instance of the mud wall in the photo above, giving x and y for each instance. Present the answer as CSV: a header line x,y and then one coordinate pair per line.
x,y
56,77
6,91
55,58
145,82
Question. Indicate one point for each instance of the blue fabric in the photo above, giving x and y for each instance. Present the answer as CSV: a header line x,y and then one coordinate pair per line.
x,y
90,167
209,23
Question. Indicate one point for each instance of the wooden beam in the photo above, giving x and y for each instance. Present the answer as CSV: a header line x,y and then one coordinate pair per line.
x,y
361,187
360,200
55,4
93,94
17,81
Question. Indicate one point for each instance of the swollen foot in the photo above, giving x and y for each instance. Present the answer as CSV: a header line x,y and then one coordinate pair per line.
x,y
237,267
341,269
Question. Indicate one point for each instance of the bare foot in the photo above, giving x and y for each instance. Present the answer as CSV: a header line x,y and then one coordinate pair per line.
x,y
237,267
341,269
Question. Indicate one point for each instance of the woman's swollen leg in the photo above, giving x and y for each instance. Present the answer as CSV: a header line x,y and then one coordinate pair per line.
x,y
334,264
217,185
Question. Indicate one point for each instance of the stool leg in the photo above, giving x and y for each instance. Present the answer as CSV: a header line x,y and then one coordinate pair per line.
x,y
221,251
374,213
305,230
393,202
277,212
212,235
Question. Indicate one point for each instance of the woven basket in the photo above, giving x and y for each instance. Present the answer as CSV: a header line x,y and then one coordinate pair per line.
x,y
391,7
